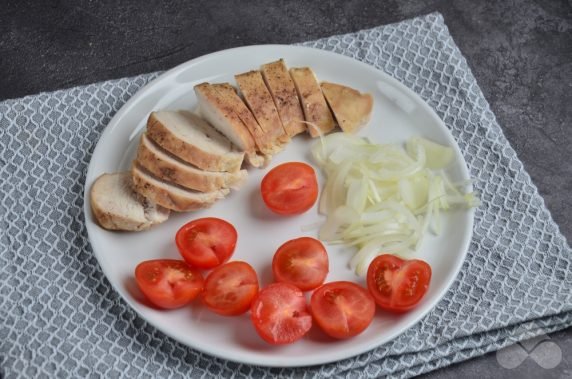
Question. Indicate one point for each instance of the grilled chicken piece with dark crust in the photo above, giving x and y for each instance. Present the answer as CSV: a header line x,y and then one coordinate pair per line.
x,y
314,104
223,117
283,90
264,142
351,108
261,104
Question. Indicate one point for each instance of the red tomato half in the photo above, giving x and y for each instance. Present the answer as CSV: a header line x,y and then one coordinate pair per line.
x,y
168,283
302,262
230,288
342,309
290,188
206,242
398,285
280,315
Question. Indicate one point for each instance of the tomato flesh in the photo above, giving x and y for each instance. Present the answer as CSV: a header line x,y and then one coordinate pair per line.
x,y
342,309
230,288
290,188
168,283
302,262
279,314
396,284
206,242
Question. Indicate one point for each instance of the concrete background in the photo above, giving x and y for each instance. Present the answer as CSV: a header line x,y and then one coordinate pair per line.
x,y
520,52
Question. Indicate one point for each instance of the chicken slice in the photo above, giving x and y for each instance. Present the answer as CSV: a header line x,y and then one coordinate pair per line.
x,y
117,207
260,102
223,117
263,141
192,139
285,97
351,108
314,104
166,166
170,195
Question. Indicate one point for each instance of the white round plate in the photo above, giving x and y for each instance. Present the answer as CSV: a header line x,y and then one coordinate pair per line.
x,y
398,114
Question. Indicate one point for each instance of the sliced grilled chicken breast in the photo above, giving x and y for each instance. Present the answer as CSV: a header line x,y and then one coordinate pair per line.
x,y
170,195
260,102
117,207
166,166
264,141
193,140
285,97
222,116
314,104
351,108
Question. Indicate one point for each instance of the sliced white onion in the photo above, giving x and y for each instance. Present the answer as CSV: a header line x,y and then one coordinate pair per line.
x,y
437,156
343,215
382,198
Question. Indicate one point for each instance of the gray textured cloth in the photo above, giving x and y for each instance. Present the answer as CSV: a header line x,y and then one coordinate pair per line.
x,y
60,317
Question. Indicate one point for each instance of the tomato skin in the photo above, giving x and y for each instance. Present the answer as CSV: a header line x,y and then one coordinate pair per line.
x,y
206,242
398,285
168,283
290,188
302,262
280,315
342,309
230,288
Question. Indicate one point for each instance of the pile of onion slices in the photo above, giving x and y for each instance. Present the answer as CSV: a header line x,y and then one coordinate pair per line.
x,y
383,198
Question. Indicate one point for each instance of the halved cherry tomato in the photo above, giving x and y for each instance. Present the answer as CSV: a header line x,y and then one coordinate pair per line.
x,y
206,242
398,285
302,262
280,315
230,288
342,309
290,188
168,283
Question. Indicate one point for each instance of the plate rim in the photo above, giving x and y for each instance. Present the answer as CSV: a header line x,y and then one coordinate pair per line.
x,y
148,87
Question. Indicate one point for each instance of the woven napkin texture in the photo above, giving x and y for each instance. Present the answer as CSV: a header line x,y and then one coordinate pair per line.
x,y
59,316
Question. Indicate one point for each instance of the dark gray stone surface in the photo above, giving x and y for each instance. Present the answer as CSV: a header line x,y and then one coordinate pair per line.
x,y
519,51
